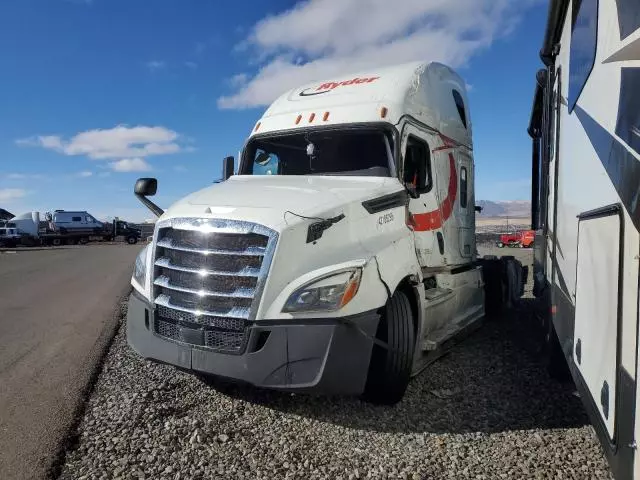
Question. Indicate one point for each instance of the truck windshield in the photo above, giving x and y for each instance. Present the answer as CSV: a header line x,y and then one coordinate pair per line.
x,y
320,152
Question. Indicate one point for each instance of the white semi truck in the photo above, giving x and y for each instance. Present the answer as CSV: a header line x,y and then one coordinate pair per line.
x,y
585,127
340,258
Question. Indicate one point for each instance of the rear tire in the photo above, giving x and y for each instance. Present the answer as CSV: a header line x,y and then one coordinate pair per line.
x,y
390,369
56,242
132,240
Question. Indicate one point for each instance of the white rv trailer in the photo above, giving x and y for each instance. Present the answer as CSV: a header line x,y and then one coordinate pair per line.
x,y
585,127
349,224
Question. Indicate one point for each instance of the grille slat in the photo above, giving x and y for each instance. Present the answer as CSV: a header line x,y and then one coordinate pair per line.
x,y
249,251
246,272
197,308
206,280
227,263
165,282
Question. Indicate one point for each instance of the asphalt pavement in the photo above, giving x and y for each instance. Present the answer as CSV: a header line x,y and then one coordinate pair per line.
x,y
57,315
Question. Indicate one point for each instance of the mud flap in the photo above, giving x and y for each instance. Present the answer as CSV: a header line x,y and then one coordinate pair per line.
x,y
504,281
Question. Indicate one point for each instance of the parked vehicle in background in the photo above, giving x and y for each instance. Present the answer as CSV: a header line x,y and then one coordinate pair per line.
x,y
120,228
75,222
340,259
585,209
70,228
9,237
522,239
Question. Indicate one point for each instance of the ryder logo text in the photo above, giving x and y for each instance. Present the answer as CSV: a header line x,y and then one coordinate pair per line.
x,y
329,86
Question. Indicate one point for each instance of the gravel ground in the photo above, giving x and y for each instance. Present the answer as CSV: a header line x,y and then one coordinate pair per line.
x,y
486,410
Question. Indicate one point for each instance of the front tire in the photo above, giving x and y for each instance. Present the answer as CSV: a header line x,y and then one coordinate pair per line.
x,y
390,368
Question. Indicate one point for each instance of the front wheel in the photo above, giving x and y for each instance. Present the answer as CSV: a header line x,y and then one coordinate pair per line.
x,y
132,240
500,245
390,368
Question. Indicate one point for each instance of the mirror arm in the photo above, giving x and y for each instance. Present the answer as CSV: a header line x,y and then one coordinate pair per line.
x,y
412,190
155,209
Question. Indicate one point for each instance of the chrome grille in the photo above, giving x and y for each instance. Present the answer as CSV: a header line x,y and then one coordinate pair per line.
x,y
208,278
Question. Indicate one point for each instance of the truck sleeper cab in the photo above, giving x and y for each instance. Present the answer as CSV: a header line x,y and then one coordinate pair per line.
x,y
342,255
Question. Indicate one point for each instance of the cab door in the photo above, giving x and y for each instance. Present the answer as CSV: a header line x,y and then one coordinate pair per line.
x,y
418,175
466,206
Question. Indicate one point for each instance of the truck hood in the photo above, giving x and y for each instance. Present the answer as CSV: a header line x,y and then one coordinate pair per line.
x,y
266,199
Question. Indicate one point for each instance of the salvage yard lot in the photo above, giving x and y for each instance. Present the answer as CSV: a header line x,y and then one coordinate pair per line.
x,y
57,318
485,410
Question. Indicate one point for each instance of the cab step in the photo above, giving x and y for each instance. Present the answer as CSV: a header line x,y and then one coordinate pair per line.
x,y
438,338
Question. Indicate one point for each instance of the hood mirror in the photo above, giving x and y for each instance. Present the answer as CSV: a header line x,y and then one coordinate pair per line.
x,y
147,187
227,167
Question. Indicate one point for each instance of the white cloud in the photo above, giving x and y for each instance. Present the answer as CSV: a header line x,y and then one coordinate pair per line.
x,y
104,174
191,65
321,38
155,65
9,194
24,176
130,165
238,80
117,142
180,168
84,174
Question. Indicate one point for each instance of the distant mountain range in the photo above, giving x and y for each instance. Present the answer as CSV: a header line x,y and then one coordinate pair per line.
x,y
511,208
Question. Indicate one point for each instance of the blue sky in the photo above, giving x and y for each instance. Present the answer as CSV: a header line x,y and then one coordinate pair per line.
x,y
96,93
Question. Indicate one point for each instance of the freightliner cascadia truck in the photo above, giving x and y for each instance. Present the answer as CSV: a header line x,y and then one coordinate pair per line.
x,y
340,256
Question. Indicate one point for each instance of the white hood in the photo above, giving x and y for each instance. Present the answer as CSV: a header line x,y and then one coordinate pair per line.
x,y
265,199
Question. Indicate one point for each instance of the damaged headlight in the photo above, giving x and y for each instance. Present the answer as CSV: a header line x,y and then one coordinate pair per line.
x,y
326,294
140,268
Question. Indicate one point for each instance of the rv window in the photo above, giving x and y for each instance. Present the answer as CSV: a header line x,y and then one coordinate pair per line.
x,y
463,187
460,106
76,219
417,164
584,41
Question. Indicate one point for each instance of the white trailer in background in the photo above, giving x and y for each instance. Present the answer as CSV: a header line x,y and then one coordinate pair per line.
x,y
585,127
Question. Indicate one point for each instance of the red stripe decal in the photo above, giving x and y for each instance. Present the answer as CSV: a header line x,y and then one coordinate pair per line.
x,y
435,219
444,147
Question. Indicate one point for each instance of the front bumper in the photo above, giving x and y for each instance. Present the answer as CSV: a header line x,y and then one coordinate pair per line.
x,y
322,355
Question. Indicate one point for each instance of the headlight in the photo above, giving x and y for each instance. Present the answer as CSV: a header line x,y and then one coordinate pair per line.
x,y
140,269
327,294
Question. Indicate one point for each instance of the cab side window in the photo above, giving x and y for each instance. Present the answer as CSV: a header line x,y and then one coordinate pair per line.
x,y
76,219
460,107
417,164
463,187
